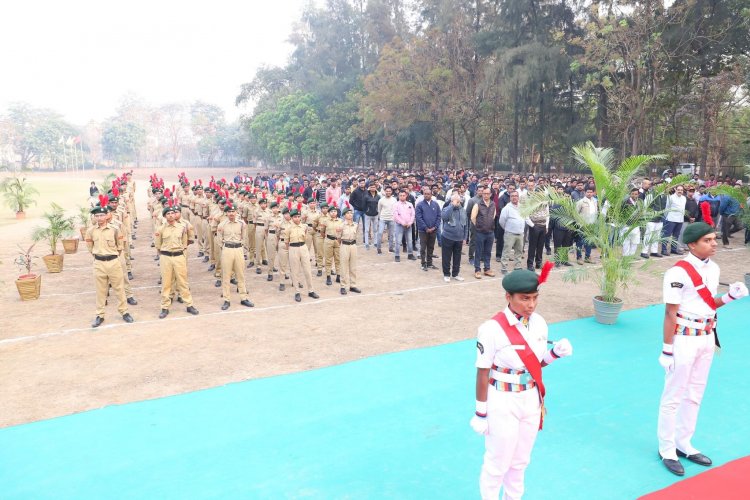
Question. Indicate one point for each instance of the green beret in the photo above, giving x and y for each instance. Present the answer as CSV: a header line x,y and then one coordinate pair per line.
x,y
323,205
274,204
230,208
521,281
263,200
333,207
695,231
344,211
311,200
252,196
221,200
99,210
285,210
294,212
168,209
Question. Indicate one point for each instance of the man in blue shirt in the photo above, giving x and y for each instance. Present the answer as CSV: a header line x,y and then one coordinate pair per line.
x,y
428,219
729,208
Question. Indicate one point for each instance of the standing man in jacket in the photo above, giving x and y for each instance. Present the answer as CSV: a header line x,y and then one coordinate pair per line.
x,y
385,215
428,220
455,221
483,219
371,199
403,216
357,201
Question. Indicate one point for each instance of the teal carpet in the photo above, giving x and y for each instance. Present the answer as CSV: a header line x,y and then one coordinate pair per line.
x,y
393,426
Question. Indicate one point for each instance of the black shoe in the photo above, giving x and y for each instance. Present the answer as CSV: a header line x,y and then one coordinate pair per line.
x,y
398,259
656,255
320,272
380,251
678,252
568,264
130,275
343,291
152,245
338,279
205,259
257,270
673,466
225,305
424,267
411,257
498,259
276,269
355,289
282,287
233,281
250,264
286,276
179,299
538,266
313,295
159,281
549,252
97,321
163,313
299,285
270,277
265,262
247,303
132,301
156,258
644,256
664,254
217,284
530,268
431,266
328,281
297,297
212,267
192,310
127,318
434,256
698,458
200,254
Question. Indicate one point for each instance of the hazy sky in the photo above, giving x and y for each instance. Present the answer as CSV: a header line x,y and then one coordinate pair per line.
x,y
79,57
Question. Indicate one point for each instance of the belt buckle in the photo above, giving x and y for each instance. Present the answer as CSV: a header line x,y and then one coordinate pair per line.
x,y
525,378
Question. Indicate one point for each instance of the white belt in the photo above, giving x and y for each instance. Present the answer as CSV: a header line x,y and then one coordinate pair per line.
x,y
693,320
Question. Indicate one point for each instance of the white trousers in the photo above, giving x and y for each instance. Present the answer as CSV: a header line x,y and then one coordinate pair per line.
x,y
513,419
683,392
651,238
631,241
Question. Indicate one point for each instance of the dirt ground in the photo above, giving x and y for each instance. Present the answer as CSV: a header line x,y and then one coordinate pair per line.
x,y
52,363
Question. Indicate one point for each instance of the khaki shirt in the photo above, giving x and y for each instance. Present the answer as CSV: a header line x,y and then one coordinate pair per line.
x,y
273,222
231,232
349,231
171,237
297,233
190,231
105,241
285,225
321,223
332,226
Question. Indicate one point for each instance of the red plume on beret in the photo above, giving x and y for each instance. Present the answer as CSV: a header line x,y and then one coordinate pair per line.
x,y
167,193
289,205
330,200
546,268
200,181
102,200
115,191
706,212
105,199
278,200
173,189
195,183
299,207
301,190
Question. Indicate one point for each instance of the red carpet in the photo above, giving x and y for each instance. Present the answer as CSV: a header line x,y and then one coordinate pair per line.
x,y
728,482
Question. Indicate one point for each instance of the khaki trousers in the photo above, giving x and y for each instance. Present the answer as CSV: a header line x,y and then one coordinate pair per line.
x,y
283,259
299,261
512,242
125,281
332,255
260,245
109,273
232,262
217,256
319,248
174,268
348,266
271,249
250,243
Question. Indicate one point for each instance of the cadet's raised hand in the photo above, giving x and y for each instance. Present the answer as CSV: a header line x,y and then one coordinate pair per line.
x,y
563,348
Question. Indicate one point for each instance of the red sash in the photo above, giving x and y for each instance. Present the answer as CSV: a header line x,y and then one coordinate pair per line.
x,y
528,358
697,280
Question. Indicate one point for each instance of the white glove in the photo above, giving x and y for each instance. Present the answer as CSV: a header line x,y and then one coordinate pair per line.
x,y
666,358
480,425
736,291
563,348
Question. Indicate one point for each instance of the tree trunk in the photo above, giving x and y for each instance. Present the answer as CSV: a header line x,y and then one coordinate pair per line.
x,y
601,118
514,140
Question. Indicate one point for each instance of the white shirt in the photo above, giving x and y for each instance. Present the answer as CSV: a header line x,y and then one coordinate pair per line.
x,y
675,209
510,219
494,348
588,209
678,287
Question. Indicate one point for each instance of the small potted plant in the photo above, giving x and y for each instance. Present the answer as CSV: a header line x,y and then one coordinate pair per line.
x,y
70,242
83,218
29,284
57,224
18,194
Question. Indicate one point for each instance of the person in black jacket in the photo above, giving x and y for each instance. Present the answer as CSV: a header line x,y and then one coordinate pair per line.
x,y
371,200
562,237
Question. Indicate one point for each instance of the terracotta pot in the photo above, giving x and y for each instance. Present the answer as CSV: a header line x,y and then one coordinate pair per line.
x,y
29,286
70,245
54,263
20,215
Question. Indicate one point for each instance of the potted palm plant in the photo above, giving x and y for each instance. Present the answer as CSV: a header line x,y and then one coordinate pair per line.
x,y
83,218
18,194
611,228
56,225
29,284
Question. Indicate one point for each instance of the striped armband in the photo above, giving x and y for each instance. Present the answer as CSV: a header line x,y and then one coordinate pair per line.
x,y
667,349
481,409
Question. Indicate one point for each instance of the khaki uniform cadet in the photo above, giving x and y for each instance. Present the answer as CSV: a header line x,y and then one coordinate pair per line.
x,y
273,228
318,241
332,249
131,189
185,196
689,336
261,214
509,400
200,204
349,253
156,215
299,256
104,241
127,232
249,216
219,217
171,239
190,240
310,215
214,212
283,249
230,234
115,220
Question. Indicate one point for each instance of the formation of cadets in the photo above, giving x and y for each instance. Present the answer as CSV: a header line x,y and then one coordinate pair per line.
x,y
234,227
